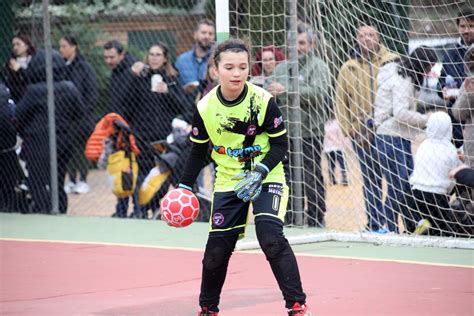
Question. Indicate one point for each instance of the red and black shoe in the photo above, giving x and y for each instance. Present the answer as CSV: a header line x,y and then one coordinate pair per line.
x,y
299,309
206,312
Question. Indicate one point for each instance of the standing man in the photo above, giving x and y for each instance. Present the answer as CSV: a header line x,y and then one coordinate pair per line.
x,y
313,84
120,62
453,73
192,65
355,93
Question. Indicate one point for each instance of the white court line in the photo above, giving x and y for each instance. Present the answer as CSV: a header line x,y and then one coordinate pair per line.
x,y
241,251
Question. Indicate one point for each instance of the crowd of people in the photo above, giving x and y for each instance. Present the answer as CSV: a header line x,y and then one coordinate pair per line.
x,y
375,111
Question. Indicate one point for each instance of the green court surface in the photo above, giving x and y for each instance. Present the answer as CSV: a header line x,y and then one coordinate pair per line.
x,y
149,233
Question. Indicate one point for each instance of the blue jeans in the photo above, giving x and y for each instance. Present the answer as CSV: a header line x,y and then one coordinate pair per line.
x,y
396,161
372,176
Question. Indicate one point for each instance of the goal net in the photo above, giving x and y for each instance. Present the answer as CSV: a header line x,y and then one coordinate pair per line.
x,y
351,156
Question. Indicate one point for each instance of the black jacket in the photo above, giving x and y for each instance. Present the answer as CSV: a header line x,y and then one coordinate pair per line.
x,y
7,125
16,81
32,111
151,113
120,86
81,73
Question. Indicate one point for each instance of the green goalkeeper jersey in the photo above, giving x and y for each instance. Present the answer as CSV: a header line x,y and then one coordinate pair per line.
x,y
239,132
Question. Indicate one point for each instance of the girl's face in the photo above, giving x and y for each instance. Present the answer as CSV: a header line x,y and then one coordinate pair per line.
x,y
233,71
156,57
67,50
20,49
268,62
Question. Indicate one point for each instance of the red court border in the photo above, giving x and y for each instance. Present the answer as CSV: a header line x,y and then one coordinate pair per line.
x,y
55,278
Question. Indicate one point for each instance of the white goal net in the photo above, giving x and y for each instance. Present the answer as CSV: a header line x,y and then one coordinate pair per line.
x,y
354,127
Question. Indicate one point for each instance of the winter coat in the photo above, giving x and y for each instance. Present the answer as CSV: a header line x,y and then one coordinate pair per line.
x,y
81,73
313,89
395,104
463,108
333,137
32,111
120,86
152,112
453,65
356,88
16,81
435,157
7,126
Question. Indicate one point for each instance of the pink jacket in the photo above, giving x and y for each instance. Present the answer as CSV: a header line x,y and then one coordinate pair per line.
x,y
333,137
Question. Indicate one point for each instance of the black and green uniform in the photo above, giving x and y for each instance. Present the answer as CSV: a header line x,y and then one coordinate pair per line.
x,y
243,132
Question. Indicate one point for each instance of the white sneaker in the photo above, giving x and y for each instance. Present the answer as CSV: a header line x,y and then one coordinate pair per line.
x,y
69,187
81,188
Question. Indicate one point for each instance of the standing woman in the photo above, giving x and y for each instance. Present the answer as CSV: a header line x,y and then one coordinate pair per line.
x,y
158,99
248,134
397,123
81,73
14,72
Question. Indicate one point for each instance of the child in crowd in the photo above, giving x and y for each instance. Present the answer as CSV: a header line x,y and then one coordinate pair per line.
x,y
430,182
333,147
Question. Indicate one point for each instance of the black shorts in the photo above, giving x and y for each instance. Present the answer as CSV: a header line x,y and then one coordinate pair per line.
x,y
229,214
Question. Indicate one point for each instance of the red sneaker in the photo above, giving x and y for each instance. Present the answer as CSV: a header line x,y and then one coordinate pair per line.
x,y
206,312
299,309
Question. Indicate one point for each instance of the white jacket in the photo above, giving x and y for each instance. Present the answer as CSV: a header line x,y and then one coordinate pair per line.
x,y
435,157
395,105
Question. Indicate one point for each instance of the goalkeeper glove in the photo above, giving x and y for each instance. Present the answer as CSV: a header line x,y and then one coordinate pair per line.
x,y
250,186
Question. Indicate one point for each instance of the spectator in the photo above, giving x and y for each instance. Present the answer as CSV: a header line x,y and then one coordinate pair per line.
x,y
355,94
397,123
334,147
192,65
463,174
14,72
434,158
33,127
81,73
453,72
313,89
120,62
158,99
210,81
8,158
463,108
119,101
266,60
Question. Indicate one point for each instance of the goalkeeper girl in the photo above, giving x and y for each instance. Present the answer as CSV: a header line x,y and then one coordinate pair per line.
x,y
248,137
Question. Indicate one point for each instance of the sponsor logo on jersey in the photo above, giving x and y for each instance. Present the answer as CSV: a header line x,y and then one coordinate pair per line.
x,y
243,154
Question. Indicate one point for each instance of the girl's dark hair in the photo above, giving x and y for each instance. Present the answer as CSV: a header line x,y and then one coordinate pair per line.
x,y
71,40
234,45
418,64
25,38
169,69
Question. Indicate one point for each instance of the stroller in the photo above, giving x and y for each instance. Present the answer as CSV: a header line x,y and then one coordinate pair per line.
x,y
169,159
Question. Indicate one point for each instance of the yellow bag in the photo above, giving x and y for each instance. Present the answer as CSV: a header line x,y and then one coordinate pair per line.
x,y
153,182
122,168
